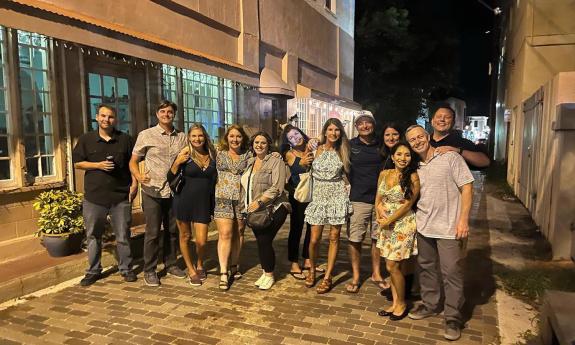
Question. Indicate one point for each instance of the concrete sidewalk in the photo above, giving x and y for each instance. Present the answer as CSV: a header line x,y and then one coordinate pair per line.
x,y
114,312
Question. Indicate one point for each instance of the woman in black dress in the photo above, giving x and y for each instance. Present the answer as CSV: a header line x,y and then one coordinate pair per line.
x,y
296,154
194,204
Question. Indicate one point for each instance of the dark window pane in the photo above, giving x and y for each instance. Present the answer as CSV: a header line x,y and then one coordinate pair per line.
x,y
2,101
109,89
30,146
41,81
44,102
124,127
46,145
3,123
5,170
45,123
24,56
4,147
40,59
28,122
124,113
32,166
94,85
47,166
122,89
25,80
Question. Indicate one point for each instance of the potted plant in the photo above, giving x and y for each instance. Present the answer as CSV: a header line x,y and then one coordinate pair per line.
x,y
61,225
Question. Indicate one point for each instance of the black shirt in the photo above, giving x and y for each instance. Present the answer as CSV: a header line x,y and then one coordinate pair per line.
x,y
105,188
455,140
366,163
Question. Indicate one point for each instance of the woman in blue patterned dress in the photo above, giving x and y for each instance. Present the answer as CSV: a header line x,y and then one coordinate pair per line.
x,y
397,191
330,199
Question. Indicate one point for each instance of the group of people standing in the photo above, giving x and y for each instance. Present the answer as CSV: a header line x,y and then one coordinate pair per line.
x,y
412,195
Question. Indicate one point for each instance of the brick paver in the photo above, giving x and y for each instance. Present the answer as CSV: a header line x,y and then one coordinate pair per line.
x,y
114,312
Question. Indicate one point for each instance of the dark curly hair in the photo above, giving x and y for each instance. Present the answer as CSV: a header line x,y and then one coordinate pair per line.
x,y
405,179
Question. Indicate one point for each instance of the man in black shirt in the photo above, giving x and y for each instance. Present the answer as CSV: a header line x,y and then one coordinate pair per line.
x,y
444,139
366,163
108,190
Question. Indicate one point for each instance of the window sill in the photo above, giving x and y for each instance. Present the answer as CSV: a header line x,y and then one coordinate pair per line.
x,y
16,190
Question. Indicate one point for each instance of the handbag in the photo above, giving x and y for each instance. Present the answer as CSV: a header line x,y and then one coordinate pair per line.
x,y
262,217
303,191
176,183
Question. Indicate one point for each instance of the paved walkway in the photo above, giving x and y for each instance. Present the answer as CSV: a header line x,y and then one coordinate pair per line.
x,y
114,312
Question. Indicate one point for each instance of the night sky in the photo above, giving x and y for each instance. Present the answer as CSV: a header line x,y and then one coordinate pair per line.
x,y
463,35
472,21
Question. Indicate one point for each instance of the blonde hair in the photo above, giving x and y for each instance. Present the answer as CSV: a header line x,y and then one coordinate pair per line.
x,y
342,146
208,146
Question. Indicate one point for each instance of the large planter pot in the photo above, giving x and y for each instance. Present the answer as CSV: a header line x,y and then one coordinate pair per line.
x,y
58,246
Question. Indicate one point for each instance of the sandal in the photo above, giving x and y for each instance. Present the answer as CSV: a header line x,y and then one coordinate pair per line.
x,y
297,275
325,285
381,284
317,269
352,288
235,272
310,280
224,283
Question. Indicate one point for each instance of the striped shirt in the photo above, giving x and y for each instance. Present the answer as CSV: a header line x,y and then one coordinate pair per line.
x,y
439,204
159,150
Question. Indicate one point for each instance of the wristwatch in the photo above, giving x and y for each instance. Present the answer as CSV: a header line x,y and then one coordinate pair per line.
x,y
260,203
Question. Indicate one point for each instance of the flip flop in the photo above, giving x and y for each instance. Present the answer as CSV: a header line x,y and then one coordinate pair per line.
x,y
352,288
380,284
298,275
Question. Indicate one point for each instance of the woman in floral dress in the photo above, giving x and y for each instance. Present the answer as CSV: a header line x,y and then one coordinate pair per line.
x,y
330,200
398,189
231,161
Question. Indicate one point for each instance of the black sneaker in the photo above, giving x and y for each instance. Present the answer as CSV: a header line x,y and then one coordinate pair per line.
x,y
129,276
452,330
90,278
421,312
151,278
177,272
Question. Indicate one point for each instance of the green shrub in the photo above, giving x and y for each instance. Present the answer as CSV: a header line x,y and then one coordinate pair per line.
x,y
60,213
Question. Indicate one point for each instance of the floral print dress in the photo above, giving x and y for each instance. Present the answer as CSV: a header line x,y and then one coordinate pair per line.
x,y
330,200
227,193
399,241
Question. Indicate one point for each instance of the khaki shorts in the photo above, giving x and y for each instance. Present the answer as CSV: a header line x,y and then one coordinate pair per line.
x,y
361,220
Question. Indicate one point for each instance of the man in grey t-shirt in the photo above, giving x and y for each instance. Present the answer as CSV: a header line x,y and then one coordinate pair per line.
x,y
442,219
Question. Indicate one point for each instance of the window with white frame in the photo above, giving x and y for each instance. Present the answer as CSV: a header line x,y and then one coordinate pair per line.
x,y
229,102
36,104
5,149
204,97
170,83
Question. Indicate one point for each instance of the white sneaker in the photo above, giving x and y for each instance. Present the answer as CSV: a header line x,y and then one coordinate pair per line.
x,y
267,282
260,280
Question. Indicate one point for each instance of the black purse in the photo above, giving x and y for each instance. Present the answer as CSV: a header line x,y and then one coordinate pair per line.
x,y
176,182
263,216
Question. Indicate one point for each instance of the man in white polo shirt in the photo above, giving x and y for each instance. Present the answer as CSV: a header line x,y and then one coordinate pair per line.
x,y
442,225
